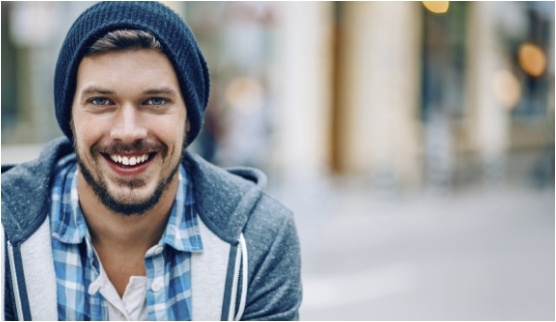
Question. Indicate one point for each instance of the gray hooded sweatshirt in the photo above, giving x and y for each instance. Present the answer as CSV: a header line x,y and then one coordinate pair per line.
x,y
249,268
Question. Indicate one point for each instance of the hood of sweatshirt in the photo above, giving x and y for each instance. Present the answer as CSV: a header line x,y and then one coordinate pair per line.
x,y
224,197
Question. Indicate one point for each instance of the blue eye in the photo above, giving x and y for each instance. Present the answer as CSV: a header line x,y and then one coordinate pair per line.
x,y
156,101
101,101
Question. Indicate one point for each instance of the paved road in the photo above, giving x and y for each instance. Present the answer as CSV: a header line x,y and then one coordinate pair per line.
x,y
477,254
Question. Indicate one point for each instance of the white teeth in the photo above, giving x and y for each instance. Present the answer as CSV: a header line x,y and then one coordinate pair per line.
x,y
129,160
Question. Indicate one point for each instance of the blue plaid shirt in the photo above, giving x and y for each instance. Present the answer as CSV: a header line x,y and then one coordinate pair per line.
x,y
78,268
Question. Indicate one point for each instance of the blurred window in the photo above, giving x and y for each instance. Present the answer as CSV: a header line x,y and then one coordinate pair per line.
x,y
444,60
529,50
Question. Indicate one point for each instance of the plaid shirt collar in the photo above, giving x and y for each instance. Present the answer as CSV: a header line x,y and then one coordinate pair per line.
x,y
181,232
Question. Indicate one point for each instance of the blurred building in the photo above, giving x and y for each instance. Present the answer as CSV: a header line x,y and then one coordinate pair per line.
x,y
406,95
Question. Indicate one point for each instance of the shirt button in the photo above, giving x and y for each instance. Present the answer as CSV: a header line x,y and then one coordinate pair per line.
x,y
156,285
159,250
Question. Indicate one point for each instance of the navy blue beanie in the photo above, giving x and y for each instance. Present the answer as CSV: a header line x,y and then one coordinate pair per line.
x,y
178,43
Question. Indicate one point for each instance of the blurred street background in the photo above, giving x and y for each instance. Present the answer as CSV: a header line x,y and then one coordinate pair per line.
x,y
413,140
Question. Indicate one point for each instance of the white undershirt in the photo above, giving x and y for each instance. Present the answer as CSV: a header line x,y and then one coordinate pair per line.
x,y
132,306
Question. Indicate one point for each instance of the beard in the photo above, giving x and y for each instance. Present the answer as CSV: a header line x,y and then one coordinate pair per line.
x,y
100,187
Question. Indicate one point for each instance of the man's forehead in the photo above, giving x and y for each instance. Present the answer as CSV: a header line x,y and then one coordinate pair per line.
x,y
144,70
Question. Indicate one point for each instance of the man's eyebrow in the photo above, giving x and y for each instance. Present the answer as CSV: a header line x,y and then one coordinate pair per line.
x,y
96,90
162,90
104,91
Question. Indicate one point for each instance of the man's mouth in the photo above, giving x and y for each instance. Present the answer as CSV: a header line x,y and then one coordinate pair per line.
x,y
130,160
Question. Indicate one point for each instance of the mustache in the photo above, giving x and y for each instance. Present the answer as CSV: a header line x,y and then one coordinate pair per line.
x,y
139,146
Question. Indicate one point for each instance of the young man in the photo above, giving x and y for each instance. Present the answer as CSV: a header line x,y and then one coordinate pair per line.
x,y
117,221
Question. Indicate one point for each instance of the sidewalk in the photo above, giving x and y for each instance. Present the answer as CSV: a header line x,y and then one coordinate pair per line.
x,y
477,254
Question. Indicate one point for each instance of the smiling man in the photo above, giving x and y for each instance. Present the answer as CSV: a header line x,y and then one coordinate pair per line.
x,y
117,220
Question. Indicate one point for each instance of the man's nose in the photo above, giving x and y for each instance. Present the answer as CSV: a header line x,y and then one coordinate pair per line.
x,y
128,125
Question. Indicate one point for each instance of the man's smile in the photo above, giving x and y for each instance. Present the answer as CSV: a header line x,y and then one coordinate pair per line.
x,y
130,160
129,164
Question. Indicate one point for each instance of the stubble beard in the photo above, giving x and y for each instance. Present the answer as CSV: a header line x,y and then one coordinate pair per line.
x,y
100,187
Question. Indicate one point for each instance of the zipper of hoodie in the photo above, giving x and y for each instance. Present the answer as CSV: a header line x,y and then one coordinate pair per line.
x,y
15,285
241,270
235,282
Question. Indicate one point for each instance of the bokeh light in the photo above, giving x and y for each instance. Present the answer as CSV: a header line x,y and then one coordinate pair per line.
x,y
437,6
506,88
245,94
532,59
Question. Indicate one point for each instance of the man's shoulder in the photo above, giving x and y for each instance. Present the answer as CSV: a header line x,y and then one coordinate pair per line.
x,y
25,190
231,198
34,172
269,218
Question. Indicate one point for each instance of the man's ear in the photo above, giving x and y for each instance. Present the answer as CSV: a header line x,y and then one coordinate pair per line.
x,y
72,127
187,129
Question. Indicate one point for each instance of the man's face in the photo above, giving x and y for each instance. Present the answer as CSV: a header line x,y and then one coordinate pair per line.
x,y
129,127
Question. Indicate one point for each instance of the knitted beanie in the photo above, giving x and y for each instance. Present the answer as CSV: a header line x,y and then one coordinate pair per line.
x,y
177,41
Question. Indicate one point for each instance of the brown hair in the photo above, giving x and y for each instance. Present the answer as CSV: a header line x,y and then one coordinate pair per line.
x,y
124,40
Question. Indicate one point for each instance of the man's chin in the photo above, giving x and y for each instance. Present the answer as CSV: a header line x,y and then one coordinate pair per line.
x,y
130,206
129,198
129,186
129,210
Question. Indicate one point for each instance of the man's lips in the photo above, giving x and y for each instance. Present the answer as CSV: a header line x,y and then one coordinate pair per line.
x,y
129,160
